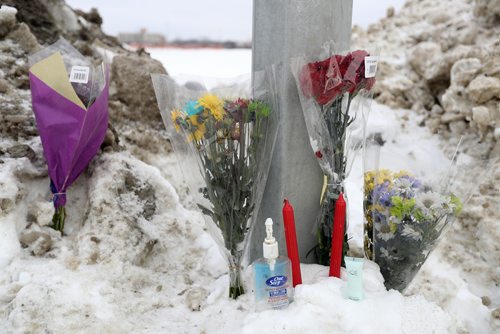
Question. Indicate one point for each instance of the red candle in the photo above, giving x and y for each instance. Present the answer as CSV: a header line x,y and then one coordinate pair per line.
x,y
291,242
337,237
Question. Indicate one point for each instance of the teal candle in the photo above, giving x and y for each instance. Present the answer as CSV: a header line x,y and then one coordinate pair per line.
x,y
354,267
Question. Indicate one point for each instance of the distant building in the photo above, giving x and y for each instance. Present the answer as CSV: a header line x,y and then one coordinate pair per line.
x,y
142,39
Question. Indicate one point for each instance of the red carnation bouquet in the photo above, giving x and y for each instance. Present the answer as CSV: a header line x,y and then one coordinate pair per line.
x,y
335,94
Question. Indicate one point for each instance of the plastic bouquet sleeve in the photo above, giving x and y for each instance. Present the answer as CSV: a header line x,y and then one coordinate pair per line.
x,y
70,103
409,206
227,139
335,90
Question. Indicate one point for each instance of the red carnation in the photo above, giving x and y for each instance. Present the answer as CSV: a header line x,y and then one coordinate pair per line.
x,y
242,103
322,80
327,79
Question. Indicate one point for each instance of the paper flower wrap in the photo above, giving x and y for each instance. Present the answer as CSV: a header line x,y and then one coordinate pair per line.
x,y
71,131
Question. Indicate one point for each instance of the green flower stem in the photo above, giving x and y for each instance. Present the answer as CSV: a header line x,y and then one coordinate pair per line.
x,y
229,156
235,282
59,218
337,123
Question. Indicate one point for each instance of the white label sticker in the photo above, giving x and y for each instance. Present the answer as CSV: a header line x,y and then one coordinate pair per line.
x,y
371,63
79,74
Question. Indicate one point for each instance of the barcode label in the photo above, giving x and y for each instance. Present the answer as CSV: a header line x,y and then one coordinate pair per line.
x,y
79,74
371,63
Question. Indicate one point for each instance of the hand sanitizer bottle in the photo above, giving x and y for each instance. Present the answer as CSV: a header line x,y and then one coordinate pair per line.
x,y
273,275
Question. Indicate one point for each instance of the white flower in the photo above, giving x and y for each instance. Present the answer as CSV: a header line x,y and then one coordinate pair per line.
x,y
383,231
384,236
430,200
395,220
431,204
408,231
403,186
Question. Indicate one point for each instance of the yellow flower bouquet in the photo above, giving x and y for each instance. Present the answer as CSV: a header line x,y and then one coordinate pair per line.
x,y
230,141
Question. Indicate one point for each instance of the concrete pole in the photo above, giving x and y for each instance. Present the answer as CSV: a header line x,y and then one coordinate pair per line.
x,y
283,29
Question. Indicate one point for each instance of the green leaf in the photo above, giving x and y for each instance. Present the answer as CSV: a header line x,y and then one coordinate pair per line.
x,y
419,215
206,211
393,227
401,207
397,207
259,108
457,203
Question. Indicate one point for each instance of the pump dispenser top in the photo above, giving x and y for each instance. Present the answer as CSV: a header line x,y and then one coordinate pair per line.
x,y
270,245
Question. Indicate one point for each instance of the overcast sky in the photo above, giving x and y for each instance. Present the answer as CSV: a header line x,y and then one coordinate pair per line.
x,y
215,19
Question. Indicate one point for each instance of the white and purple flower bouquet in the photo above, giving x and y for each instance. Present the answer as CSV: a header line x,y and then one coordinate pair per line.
x,y
410,204
404,218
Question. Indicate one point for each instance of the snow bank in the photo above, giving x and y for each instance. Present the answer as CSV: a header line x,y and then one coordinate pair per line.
x,y
320,307
135,259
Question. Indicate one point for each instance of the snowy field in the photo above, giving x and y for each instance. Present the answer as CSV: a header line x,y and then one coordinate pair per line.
x,y
105,277
208,66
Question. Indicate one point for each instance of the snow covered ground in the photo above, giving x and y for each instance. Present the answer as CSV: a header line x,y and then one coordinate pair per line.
x,y
137,256
207,66
102,277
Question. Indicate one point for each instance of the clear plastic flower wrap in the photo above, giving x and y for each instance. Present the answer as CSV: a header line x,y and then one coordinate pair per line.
x,y
70,103
227,138
335,90
409,204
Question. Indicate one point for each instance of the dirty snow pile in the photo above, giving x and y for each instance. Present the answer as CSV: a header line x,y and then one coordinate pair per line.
x,y
135,259
442,59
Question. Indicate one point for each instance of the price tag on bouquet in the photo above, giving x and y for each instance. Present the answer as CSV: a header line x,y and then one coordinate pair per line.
x,y
371,63
79,74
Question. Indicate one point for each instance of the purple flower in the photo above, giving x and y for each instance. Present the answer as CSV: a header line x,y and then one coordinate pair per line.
x,y
382,195
415,183
406,186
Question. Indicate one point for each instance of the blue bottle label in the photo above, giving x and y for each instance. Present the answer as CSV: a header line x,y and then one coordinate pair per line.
x,y
277,293
276,281
278,297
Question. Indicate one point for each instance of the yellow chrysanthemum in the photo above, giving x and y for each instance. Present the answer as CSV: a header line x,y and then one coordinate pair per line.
x,y
199,133
214,104
176,116
369,181
384,175
198,128
195,120
378,208
369,175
